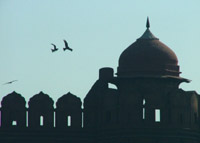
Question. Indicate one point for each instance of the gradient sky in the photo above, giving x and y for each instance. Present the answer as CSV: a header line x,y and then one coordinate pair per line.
x,y
98,31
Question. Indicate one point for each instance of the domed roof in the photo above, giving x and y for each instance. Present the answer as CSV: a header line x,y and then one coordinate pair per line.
x,y
148,57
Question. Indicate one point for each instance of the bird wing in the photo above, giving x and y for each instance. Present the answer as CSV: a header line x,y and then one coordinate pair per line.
x,y
70,49
53,45
10,82
13,80
6,83
66,44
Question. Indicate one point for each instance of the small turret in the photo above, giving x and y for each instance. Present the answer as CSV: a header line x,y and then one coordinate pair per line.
x,y
105,73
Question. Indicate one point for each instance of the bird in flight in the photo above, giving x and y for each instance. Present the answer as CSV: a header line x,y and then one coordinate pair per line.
x,y
66,46
10,82
54,49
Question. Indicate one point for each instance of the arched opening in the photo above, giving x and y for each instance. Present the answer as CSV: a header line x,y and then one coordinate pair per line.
x,y
157,115
112,86
14,123
143,108
54,117
41,121
26,118
69,121
82,119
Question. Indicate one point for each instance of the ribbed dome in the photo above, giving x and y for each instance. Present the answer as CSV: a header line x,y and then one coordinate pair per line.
x,y
148,57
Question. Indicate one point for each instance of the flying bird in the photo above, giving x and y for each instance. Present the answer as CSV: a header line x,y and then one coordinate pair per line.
x,y
66,46
54,49
10,82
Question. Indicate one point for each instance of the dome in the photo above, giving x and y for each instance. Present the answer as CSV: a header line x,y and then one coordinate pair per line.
x,y
148,57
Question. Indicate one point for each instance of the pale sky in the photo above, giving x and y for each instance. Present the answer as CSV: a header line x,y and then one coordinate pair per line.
x,y
97,31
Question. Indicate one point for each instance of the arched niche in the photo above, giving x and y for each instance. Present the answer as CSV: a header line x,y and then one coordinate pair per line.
x,y
13,111
68,111
41,111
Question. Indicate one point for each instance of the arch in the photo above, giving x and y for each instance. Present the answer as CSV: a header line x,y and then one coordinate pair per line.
x,y
69,121
112,86
41,105
41,120
13,111
68,111
157,115
143,108
14,123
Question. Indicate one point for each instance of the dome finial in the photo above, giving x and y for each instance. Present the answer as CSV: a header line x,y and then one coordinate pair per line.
x,y
148,24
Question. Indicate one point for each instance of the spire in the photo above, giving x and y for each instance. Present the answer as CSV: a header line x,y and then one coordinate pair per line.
x,y
147,34
148,24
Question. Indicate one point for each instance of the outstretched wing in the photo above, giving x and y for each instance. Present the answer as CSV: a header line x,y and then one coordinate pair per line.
x,y
13,80
54,45
66,44
10,82
6,83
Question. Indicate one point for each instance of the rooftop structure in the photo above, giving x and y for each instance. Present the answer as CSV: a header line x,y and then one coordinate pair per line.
x,y
147,105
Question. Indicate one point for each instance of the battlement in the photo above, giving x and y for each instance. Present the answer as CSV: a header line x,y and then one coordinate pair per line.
x,y
41,112
109,115
104,108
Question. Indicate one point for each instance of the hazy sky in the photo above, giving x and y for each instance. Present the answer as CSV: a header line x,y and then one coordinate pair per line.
x,y
98,31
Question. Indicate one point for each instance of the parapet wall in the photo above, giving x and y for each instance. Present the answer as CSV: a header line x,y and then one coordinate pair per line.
x,y
41,112
104,108
102,120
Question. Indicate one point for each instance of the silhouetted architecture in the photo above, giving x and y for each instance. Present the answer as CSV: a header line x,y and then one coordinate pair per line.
x,y
146,105
13,111
41,111
69,112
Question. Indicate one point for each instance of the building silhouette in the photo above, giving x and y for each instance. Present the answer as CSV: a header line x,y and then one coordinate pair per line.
x,y
147,105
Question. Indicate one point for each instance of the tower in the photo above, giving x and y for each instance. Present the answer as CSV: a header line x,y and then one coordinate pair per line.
x,y
149,105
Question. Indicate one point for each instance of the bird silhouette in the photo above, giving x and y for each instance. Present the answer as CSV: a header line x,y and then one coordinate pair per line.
x,y
66,46
10,82
54,49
